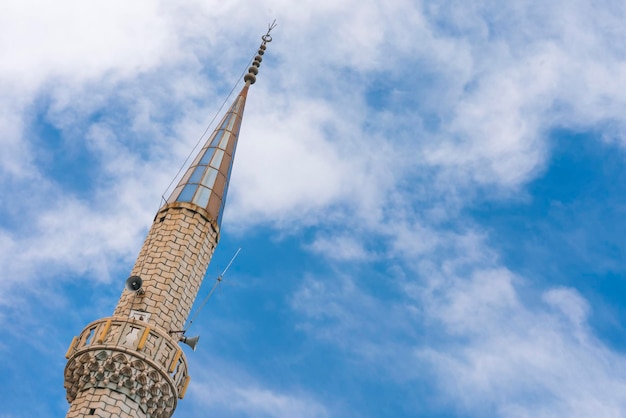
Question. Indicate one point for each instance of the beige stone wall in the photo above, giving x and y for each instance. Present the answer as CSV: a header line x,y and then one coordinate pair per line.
x,y
104,403
131,366
172,264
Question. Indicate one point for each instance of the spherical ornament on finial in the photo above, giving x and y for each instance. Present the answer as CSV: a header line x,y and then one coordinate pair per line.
x,y
256,63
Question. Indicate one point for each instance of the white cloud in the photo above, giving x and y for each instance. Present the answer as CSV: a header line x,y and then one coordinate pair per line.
x,y
570,303
295,163
505,357
230,396
80,41
15,159
498,92
344,247
554,73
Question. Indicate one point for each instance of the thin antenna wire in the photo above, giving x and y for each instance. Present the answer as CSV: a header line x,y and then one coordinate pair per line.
x,y
231,262
184,164
217,282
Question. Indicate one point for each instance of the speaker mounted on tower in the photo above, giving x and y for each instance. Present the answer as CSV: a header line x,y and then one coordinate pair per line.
x,y
133,284
190,341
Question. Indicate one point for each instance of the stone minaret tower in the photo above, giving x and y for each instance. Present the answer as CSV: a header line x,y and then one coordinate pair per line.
x,y
130,364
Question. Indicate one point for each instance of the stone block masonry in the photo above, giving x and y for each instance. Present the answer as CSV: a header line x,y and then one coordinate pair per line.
x,y
130,365
104,403
172,264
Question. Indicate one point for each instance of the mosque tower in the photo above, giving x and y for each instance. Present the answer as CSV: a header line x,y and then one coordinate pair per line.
x,y
131,364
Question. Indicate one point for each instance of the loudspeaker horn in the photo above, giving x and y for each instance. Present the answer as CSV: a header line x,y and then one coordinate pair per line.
x,y
190,341
133,284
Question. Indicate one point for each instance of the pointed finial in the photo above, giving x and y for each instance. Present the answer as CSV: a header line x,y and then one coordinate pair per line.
x,y
250,78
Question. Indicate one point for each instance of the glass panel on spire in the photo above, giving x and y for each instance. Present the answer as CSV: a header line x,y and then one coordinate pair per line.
x,y
199,185
209,178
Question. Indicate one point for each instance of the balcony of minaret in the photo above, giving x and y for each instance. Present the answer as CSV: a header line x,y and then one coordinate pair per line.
x,y
129,357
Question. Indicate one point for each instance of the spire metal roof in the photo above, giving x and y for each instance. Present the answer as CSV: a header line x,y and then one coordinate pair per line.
x,y
205,183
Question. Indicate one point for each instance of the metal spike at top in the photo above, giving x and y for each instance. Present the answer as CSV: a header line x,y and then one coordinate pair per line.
x,y
250,78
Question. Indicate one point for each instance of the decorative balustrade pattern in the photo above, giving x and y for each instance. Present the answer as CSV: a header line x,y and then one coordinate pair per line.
x,y
128,356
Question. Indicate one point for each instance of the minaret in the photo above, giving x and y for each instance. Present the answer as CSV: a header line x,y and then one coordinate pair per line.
x,y
131,364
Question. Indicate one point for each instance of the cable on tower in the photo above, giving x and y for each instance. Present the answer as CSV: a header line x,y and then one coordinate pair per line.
x,y
217,113
255,60
219,279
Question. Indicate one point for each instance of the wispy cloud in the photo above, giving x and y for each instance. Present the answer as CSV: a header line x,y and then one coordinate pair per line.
x,y
493,343
239,394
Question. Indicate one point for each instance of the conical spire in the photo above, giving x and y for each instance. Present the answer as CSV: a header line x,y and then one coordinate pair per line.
x,y
205,183
130,364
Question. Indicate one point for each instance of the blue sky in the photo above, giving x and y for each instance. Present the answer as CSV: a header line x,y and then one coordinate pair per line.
x,y
429,198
